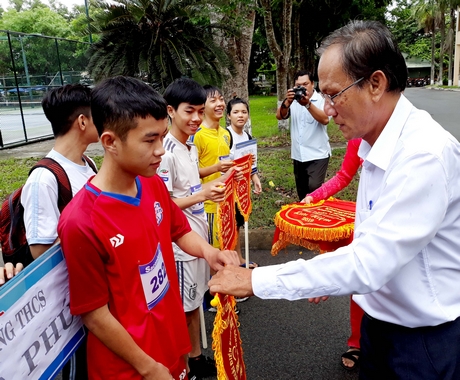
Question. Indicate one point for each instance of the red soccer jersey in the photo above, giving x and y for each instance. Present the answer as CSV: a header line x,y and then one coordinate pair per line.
x,y
118,252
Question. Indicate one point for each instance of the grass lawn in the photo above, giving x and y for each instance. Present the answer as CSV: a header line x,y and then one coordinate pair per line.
x,y
274,162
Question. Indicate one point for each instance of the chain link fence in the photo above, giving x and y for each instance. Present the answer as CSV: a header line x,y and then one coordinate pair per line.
x,y
30,65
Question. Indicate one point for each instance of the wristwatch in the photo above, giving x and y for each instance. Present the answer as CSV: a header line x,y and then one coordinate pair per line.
x,y
308,105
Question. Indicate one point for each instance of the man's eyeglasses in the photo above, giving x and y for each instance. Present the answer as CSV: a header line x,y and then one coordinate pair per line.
x,y
330,99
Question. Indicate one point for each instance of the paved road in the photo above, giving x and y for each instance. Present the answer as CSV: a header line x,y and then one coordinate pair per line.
x,y
443,106
286,340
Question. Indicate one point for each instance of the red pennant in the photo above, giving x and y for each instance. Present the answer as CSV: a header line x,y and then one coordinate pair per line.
x,y
226,340
226,217
243,187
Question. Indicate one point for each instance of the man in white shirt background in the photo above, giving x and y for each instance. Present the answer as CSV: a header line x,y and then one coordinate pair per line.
x,y
403,266
310,149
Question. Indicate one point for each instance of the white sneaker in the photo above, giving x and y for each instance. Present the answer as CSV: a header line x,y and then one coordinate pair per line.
x,y
241,299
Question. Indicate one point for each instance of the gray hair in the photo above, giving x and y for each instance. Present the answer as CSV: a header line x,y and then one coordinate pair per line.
x,y
368,46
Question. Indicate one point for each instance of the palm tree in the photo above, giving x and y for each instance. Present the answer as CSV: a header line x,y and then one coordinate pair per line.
x,y
425,12
156,40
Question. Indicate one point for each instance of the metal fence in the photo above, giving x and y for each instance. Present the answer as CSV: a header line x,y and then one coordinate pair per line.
x,y
30,65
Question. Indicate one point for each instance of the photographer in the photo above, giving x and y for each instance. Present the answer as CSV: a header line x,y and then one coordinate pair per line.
x,y
310,149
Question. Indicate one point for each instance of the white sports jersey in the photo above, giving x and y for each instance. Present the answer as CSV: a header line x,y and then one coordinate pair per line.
x,y
39,198
179,171
236,139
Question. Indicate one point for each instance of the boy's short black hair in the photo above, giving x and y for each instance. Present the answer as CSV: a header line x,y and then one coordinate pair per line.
x,y
212,90
118,101
184,90
62,105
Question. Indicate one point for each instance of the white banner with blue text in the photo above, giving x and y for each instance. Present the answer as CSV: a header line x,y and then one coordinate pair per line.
x,y
37,332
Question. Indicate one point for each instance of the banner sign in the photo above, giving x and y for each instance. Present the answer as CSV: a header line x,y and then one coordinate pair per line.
x,y
324,226
226,344
37,332
247,147
226,217
243,187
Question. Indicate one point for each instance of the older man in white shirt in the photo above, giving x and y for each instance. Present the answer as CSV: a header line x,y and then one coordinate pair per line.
x,y
403,266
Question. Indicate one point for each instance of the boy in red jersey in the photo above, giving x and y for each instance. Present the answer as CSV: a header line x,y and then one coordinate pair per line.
x,y
116,236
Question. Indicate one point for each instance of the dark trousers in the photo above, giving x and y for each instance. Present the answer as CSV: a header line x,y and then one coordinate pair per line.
x,y
76,368
309,175
391,351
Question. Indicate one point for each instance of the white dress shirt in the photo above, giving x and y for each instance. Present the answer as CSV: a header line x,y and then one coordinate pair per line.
x,y
404,263
309,138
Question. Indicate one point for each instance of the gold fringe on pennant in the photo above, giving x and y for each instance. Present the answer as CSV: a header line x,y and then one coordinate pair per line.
x,y
309,233
278,246
219,326
245,215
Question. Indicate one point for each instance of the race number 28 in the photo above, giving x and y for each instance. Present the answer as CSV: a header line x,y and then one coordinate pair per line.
x,y
154,279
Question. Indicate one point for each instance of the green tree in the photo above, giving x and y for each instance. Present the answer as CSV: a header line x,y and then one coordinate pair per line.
x,y
427,15
38,58
236,42
156,40
39,20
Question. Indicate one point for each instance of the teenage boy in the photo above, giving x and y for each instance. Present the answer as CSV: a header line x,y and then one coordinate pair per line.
x,y
179,171
68,108
116,236
213,146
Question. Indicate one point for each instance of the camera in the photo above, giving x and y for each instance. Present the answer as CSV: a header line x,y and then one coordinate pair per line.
x,y
299,91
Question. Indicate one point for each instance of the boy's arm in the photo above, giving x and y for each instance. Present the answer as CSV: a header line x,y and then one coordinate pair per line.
x,y
214,191
195,245
39,249
222,166
113,335
256,182
41,212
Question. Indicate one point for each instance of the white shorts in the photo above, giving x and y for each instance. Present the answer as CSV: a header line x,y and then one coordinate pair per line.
x,y
193,282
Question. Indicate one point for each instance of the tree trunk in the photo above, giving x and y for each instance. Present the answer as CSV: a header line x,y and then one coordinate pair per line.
x,y
297,61
433,32
281,55
239,49
442,28
451,41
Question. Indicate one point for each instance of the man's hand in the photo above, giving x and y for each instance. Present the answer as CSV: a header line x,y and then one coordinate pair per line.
x,y
9,271
219,259
232,280
289,98
305,99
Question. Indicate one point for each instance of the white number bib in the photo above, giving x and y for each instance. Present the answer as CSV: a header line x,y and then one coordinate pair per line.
x,y
197,208
154,279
